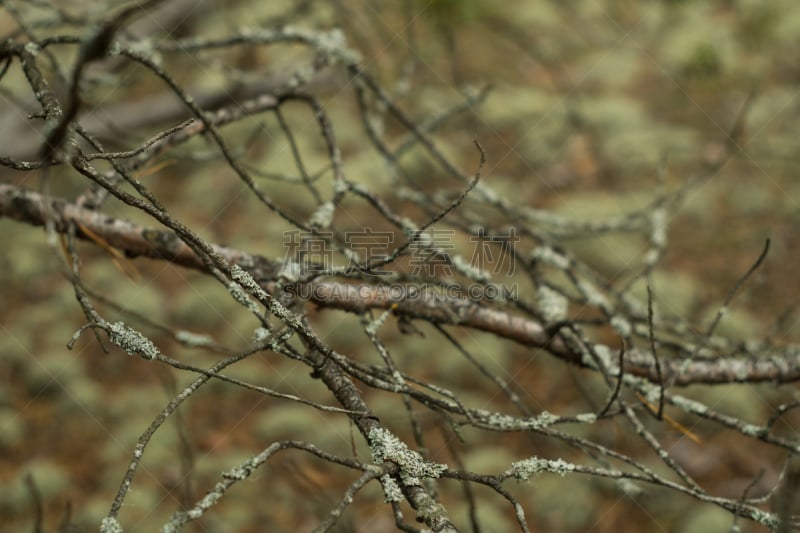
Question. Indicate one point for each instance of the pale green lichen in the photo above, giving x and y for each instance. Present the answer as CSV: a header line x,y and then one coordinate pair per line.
x,y
653,395
651,257
527,468
391,490
246,280
687,404
145,48
550,257
249,32
242,297
606,356
742,372
472,272
302,76
373,327
629,488
552,304
340,186
501,422
424,241
110,525
413,467
752,430
770,520
260,335
290,271
247,283
351,255
239,473
510,423
432,512
544,419
658,220
685,366
193,340
621,326
594,297
132,341
408,226
32,48
334,43
322,216
488,193
376,123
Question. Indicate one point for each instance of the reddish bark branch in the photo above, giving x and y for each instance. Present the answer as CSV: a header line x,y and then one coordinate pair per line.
x,y
134,240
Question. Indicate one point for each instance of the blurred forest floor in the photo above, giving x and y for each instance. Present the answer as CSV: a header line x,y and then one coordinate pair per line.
x,y
590,102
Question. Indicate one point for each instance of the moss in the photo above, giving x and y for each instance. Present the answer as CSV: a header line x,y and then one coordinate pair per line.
x,y
12,428
54,373
756,26
452,13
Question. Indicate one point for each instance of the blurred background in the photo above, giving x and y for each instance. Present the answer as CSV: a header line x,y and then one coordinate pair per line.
x,y
589,105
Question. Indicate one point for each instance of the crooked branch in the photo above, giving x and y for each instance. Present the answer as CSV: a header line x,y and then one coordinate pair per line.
x,y
134,240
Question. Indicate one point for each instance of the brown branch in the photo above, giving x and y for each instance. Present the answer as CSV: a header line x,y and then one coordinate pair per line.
x,y
135,240
20,138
